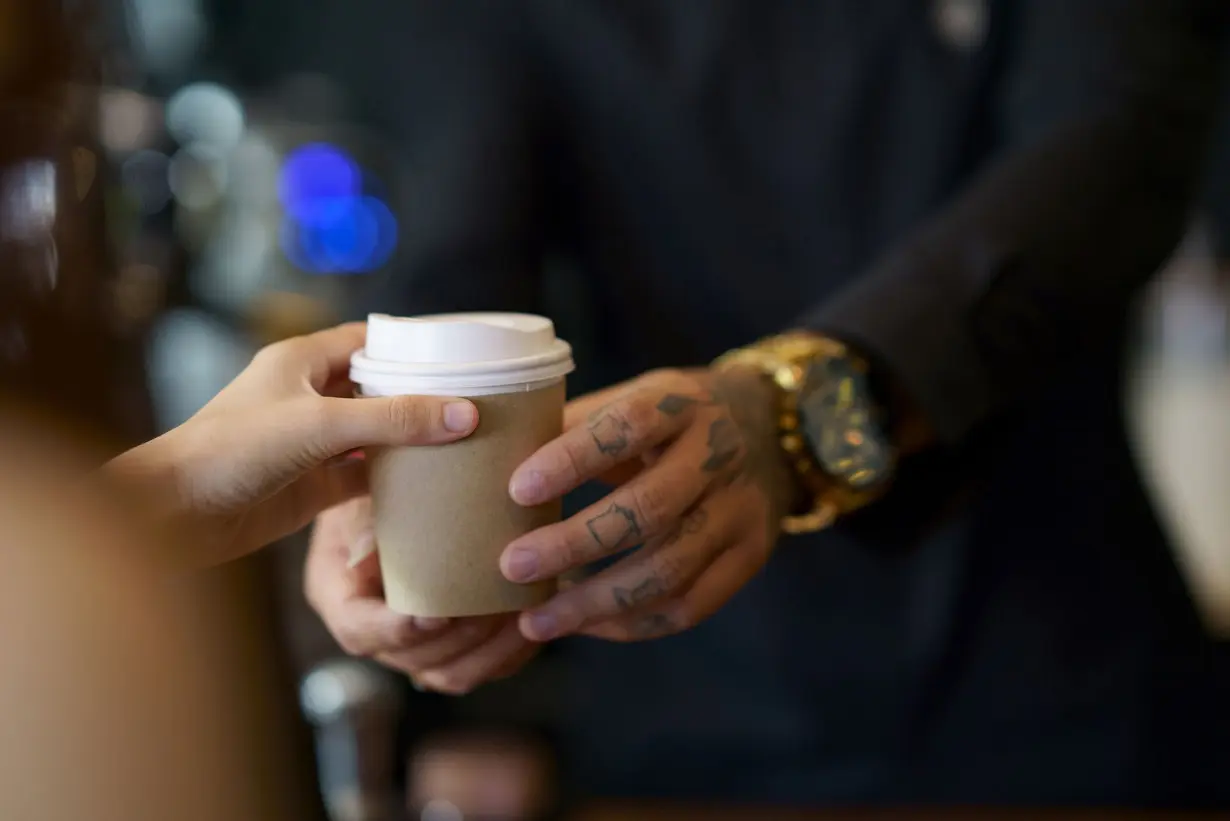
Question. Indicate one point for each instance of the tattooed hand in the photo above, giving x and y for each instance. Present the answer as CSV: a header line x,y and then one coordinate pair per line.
x,y
702,487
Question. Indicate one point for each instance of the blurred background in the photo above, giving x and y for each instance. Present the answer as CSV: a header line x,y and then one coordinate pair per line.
x,y
251,184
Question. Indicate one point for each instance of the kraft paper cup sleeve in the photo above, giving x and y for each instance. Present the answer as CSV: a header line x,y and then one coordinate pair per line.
x,y
443,514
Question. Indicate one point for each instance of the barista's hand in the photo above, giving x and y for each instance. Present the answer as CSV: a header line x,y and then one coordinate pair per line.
x,y
266,455
342,582
702,487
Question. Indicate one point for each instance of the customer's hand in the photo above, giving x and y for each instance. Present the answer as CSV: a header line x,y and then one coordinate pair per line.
x,y
342,582
702,486
269,453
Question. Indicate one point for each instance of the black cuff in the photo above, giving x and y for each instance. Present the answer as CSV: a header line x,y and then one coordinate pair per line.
x,y
921,340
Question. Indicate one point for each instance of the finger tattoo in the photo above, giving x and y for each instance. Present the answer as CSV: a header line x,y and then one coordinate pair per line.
x,y
693,523
665,575
610,434
630,598
614,528
674,404
653,626
725,441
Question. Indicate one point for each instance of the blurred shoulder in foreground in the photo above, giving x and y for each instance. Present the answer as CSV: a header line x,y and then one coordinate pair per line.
x,y
126,692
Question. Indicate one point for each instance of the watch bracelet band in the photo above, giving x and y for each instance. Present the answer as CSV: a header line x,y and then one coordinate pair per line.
x,y
784,359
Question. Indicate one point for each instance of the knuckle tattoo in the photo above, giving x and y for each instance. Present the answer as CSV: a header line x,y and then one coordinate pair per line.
x,y
615,528
653,626
664,575
673,404
725,444
611,432
692,523
630,598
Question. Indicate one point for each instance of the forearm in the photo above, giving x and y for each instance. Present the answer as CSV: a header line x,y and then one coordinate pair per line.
x,y
148,481
1040,259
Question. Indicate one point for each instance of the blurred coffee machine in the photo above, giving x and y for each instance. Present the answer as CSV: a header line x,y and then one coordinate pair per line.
x,y
354,707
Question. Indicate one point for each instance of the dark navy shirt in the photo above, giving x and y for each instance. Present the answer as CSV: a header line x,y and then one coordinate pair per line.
x,y
974,192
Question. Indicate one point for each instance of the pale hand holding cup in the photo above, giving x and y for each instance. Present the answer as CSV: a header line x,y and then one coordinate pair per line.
x,y
270,452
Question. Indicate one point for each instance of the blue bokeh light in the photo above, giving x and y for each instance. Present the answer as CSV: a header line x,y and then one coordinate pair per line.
x,y
331,225
315,174
350,236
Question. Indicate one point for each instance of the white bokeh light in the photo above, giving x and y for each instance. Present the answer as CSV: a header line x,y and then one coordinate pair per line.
x,y
197,176
167,34
206,114
235,265
254,167
127,120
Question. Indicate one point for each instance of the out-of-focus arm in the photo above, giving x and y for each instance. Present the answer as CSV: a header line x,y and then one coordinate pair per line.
x,y
1105,119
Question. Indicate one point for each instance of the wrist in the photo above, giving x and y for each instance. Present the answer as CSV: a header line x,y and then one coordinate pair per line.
x,y
143,468
755,401
151,481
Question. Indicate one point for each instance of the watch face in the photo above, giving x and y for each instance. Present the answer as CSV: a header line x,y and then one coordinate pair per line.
x,y
839,417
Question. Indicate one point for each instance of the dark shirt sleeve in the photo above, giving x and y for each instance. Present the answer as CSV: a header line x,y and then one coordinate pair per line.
x,y
1104,111
446,84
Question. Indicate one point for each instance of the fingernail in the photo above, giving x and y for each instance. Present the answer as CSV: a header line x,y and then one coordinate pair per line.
x,y
429,623
526,487
522,564
460,417
543,626
360,548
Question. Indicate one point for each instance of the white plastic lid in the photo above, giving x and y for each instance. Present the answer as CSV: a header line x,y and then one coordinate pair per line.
x,y
459,354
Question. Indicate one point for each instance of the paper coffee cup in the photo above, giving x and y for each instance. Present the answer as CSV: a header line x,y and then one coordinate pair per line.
x,y
442,513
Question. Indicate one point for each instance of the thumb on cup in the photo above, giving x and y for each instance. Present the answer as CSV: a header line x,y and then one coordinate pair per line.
x,y
395,421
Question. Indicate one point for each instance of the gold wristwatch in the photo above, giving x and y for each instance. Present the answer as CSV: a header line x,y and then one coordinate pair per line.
x,y
833,430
